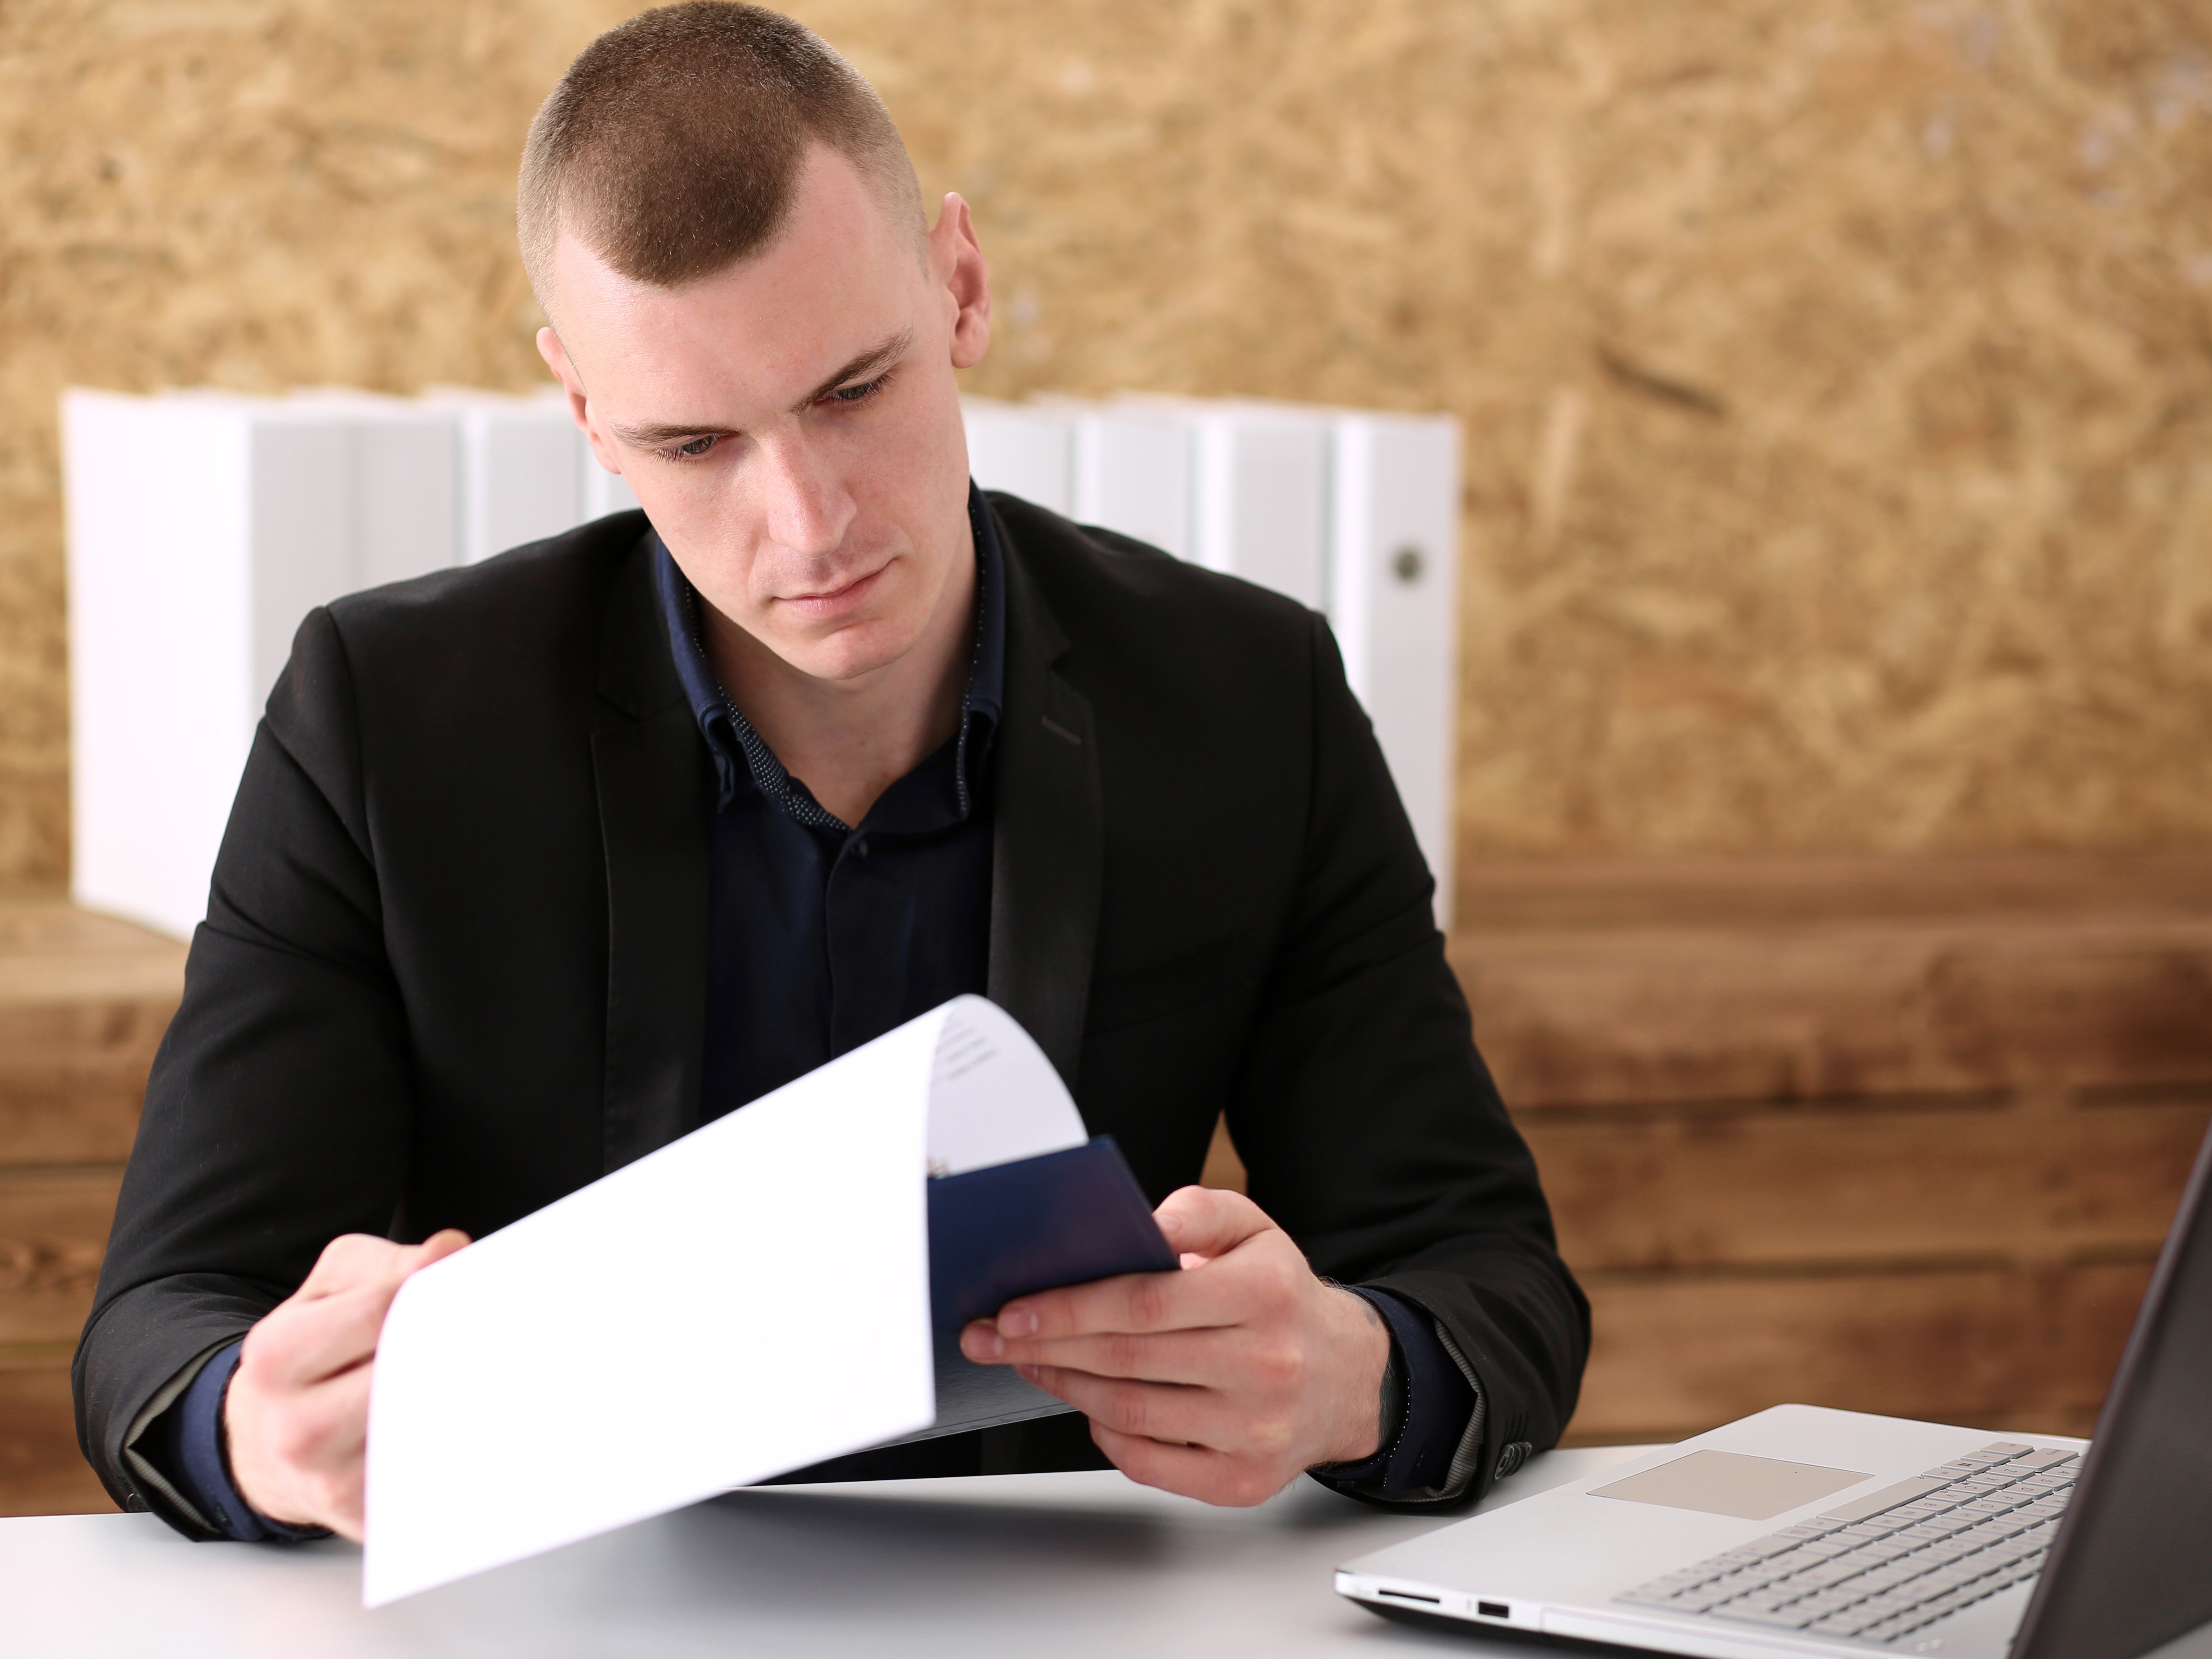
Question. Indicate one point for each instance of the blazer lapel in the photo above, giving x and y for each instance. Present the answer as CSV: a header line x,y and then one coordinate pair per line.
x,y
1048,849
654,794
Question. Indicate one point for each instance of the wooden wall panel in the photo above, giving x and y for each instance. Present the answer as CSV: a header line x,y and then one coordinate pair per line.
x,y
1902,1135
85,1112
1824,1010
1863,1182
83,1001
41,1471
2000,1346
1503,896
53,1229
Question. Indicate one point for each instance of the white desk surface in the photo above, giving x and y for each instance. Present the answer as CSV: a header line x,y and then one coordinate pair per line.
x,y
1058,1565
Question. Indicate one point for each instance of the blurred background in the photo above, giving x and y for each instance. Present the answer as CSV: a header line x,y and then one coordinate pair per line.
x,y
1835,754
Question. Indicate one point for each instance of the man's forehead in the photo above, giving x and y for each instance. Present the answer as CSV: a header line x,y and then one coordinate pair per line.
x,y
832,287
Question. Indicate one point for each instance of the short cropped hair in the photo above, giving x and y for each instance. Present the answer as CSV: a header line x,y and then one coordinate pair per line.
x,y
672,146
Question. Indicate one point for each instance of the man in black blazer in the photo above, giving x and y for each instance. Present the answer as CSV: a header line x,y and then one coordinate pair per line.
x,y
538,864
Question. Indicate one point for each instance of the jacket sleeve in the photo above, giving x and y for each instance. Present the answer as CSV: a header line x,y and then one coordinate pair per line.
x,y
1367,1121
278,1111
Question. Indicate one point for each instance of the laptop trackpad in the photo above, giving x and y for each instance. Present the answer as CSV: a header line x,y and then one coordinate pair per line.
x,y
1728,1483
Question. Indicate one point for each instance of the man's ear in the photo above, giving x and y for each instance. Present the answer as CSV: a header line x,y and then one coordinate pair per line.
x,y
956,259
579,408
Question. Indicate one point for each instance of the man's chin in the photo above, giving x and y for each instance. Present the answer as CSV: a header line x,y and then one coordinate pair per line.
x,y
851,654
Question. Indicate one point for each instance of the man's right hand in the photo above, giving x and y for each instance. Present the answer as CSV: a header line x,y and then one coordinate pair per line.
x,y
296,1416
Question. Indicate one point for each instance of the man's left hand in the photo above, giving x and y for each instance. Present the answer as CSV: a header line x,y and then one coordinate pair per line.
x,y
1222,1382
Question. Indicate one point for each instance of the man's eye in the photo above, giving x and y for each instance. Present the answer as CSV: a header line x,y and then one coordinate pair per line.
x,y
697,447
861,393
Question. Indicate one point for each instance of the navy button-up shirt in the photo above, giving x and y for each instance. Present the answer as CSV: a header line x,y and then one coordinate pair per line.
x,y
822,934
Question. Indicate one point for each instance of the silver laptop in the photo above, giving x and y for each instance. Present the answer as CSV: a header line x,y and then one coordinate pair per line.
x,y
1805,1531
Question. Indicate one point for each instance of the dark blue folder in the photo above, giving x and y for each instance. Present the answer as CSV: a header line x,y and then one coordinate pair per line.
x,y
1062,1218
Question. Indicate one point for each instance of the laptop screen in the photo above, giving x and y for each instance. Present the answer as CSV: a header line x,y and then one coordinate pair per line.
x,y
2131,1568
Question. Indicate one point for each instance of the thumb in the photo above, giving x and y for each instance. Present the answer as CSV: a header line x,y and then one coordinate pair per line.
x,y
437,1247
1209,1222
413,1258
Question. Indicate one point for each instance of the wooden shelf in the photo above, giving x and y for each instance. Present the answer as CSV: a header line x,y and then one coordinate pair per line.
x,y
83,1001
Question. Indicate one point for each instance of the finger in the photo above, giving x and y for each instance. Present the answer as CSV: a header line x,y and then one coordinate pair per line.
x,y
351,1521
1155,1462
325,1428
298,1458
1158,1411
1218,1358
308,1338
354,1259
347,1260
1133,1301
1198,1299
335,1467
446,1241
1197,1471
1209,1221
1189,1357
979,1341
1262,1278
296,1348
302,1343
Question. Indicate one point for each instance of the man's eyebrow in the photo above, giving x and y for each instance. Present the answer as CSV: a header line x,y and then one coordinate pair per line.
x,y
861,367
654,436
659,433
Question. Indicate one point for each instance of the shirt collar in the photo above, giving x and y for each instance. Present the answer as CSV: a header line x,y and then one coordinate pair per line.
x,y
739,750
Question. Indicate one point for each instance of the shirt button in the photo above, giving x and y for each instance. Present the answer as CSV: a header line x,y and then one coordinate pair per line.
x,y
859,847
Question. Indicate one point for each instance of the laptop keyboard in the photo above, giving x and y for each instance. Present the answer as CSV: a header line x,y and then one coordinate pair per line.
x,y
1883,1566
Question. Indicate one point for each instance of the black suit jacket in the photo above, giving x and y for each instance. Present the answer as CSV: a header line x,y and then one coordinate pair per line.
x,y
454,962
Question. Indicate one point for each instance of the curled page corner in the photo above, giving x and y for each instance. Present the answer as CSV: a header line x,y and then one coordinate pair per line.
x,y
994,1097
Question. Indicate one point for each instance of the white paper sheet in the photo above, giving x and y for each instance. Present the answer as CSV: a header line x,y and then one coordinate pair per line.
x,y
751,1299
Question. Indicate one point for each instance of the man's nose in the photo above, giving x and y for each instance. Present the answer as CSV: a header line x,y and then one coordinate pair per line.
x,y
809,507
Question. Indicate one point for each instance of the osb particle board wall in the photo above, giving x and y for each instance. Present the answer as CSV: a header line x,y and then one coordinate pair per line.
x,y
1838,375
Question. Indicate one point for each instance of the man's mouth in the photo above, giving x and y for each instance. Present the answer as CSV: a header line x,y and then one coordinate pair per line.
x,y
837,601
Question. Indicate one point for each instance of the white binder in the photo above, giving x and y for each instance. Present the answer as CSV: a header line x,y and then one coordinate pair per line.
x,y
1133,473
406,482
1356,514
1022,450
188,574
1394,602
523,468
1258,491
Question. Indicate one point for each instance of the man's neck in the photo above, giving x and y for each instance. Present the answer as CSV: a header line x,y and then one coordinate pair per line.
x,y
849,740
